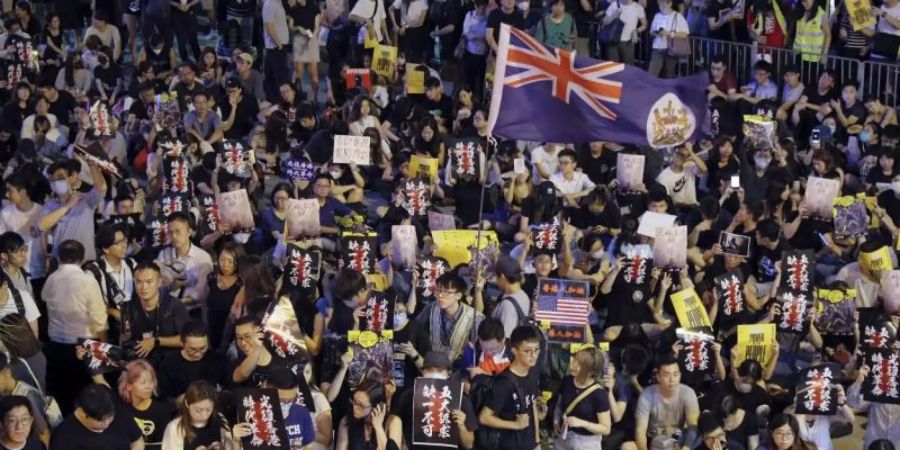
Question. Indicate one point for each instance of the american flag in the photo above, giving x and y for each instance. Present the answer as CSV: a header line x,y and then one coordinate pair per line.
x,y
554,306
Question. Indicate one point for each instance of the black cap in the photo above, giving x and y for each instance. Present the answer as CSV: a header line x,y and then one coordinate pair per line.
x,y
283,378
233,82
436,360
508,267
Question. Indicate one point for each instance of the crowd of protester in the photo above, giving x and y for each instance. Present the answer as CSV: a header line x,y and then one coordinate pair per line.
x,y
78,260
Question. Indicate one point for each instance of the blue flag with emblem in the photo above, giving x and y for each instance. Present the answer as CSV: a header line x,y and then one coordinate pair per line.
x,y
546,94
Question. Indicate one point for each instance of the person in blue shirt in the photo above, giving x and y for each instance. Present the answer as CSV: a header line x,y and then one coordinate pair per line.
x,y
329,208
297,418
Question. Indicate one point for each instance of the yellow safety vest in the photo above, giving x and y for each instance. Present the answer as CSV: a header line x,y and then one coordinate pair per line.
x,y
810,38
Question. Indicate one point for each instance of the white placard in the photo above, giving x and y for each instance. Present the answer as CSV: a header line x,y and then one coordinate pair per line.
x,y
820,195
439,221
403,241
351,149
302,218
629,171
650,221
670,248
519,166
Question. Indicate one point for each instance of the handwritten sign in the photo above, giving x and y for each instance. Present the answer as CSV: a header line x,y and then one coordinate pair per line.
x,y
384,60
453,245
439,221
422,166
234,210
756,342
629,170
650,221
820,195
670,247
519,166
859,12
403,243
351,149
689,309
302,218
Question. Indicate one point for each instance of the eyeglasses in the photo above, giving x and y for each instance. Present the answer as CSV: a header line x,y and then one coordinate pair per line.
x,y
16,421
783,434
444,292
122,241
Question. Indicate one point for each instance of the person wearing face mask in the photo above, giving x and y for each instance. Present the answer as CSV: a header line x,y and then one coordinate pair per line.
x,y
70,214
298,420
755,171
886,170
436,366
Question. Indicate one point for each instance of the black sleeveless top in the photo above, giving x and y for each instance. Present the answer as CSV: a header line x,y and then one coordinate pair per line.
x,y
160,62
218,303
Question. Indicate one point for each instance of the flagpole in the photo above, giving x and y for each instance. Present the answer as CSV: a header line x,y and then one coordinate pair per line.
x,y
491,143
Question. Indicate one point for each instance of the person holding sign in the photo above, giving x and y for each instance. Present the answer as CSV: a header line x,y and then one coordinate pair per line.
x,y
882,423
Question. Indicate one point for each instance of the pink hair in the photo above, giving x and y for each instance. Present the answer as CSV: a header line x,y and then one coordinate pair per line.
x,y
130,375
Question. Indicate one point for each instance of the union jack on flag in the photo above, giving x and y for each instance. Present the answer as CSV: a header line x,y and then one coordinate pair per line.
x,y
547,94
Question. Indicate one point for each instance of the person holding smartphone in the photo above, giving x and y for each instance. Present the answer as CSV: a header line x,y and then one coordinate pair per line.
x,y
368,422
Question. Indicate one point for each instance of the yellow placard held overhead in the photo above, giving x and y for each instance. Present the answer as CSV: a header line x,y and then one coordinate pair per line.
x,y
756,342
371,40
689,309
860,15
415,79
384,60
877,262
453,245
420,164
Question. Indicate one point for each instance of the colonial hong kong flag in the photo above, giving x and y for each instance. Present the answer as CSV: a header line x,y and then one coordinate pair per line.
x,y
546,94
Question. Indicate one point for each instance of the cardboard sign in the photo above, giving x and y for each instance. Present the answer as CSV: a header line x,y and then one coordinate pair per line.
x,y
358,251
384,60
262,410
175,174
379,313
696,355
430,269
465,159
519,166
209,214
302,268
302,218
439,221
404,244
453,245
890,291
420,166
689,309
234,209
877,262
96,155
352,149
629,171
650,221
562,333
172,202
415,79
734,244
859,13
358,78
546,236
158,235
433,400
756,342
817,390
417,198
836,308
281,331
101,357
875,330
882,385
797,271
236,159
820,195
796,310
729,291
851,218
563,302
670,248
298,169
371,351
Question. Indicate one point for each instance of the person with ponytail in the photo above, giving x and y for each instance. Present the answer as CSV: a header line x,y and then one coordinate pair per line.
x,y
581,416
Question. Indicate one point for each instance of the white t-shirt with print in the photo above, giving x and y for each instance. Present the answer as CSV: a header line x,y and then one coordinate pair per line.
x,y
682,187
673,22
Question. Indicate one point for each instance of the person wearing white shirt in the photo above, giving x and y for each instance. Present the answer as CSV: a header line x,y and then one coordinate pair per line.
x,y
41,108
570,183
113,271
16,295
545,162
632,15
109,35
75,311
185,267
20,216
680,179
667,24
371,14
889,17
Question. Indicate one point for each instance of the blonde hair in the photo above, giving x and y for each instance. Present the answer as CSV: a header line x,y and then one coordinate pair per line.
x,y
592,361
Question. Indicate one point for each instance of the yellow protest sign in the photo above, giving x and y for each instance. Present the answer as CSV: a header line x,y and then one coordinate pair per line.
x,y
756,342
420,164
384,60
453,245
860,15
576,347
877,262
689,309
415,79
377,281
371,40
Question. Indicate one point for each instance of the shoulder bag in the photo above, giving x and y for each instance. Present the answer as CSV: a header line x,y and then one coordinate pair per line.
x,y
678,46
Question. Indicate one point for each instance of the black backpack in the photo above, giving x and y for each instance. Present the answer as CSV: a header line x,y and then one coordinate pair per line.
x,y
16,295
480,393
524,321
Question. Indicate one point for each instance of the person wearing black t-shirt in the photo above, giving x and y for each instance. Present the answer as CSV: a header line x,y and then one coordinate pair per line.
x,y
152,324
749,395
194,362
62,103
582,413
507,13
769,247
17,417
138,384
187,86
436,365
597,162
97,424
814,101
239,110
436,103
107,78
515,407
255,364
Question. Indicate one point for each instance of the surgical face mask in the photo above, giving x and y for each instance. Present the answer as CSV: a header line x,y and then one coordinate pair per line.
x,y
241,238
523,6
438,376
60,187
833,128
864,137
762,162
597,254
336,174
400,320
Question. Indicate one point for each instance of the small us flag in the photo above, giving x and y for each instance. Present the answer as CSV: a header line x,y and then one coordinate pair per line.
x,y
555,306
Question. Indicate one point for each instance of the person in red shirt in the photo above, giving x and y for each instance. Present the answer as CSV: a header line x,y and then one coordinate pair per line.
x,y
767,24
